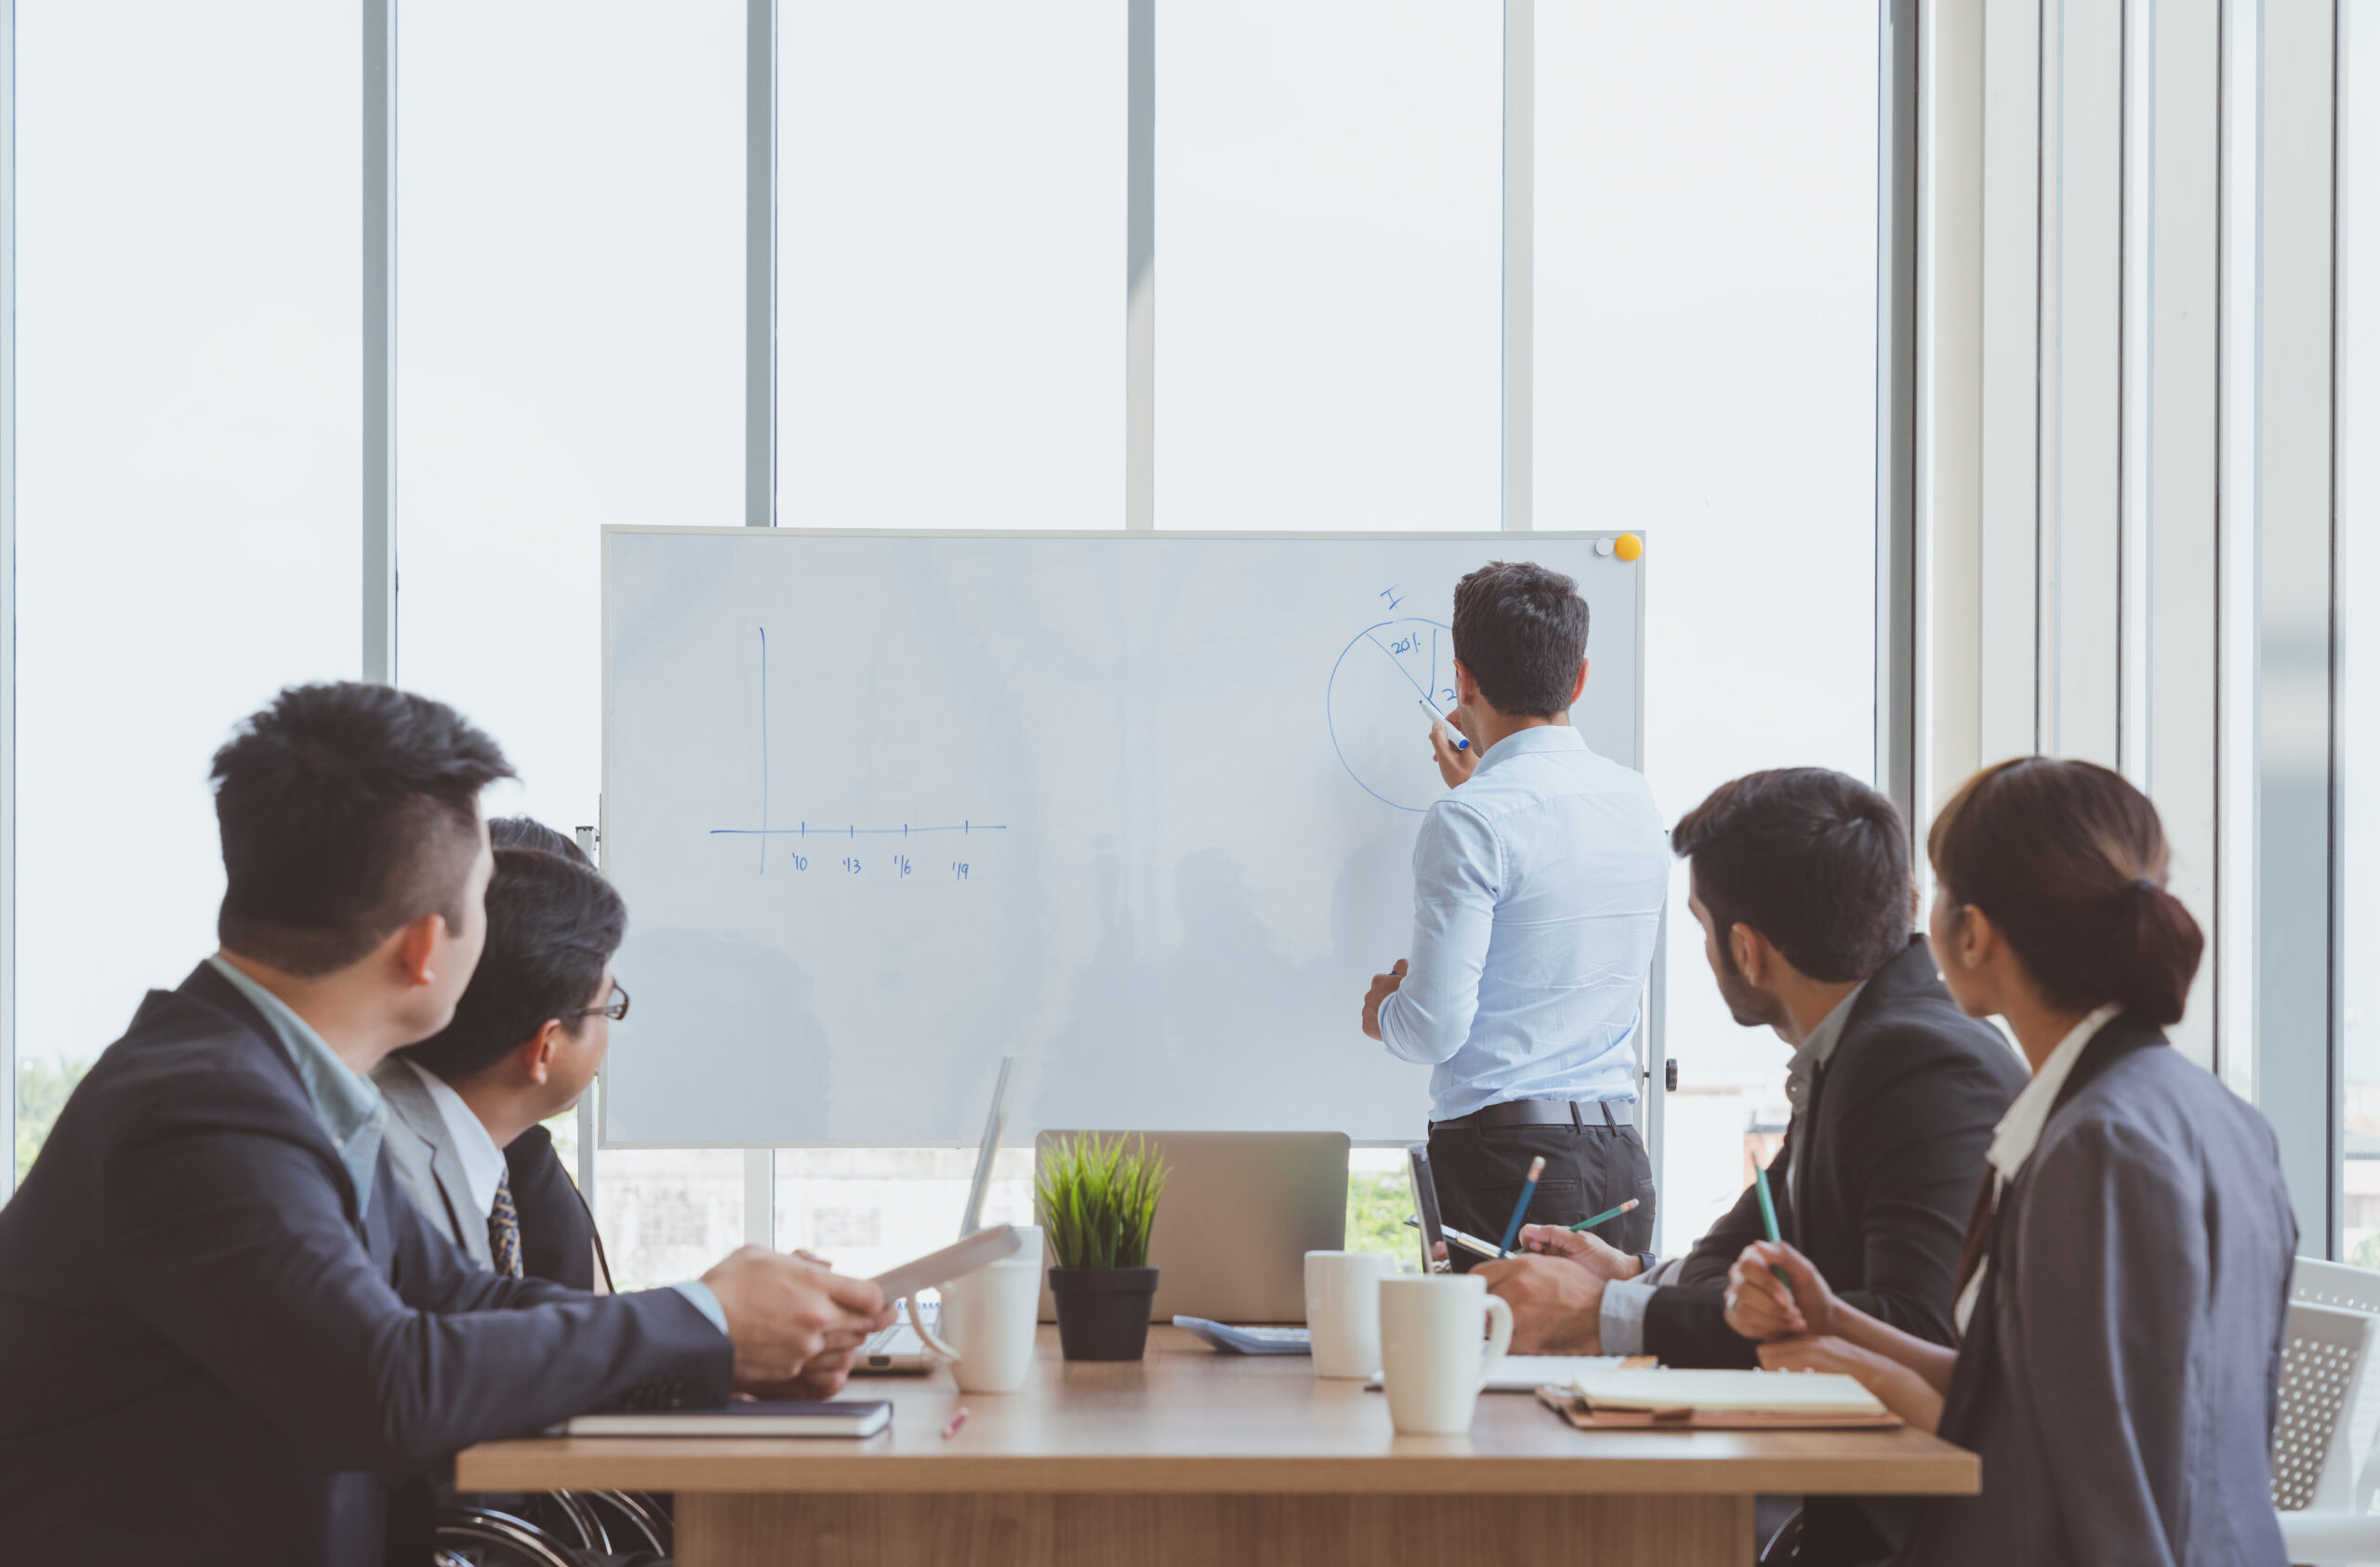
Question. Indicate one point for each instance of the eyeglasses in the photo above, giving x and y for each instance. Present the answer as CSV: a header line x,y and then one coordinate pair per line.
x,y
615,1008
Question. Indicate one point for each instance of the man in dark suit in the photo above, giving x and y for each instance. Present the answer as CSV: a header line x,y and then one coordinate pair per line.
x,y
1801,881
223,1327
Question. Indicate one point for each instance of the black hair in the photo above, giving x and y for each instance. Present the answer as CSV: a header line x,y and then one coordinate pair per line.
x,y
1814,860
1521,630
347,810
2069,859
527,831
552,927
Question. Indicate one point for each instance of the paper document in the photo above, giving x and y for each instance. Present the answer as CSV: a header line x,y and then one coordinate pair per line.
x,y
1777,1392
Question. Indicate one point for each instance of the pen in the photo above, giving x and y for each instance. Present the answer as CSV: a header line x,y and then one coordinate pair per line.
x,y
1520,1209
1628,1207
1460,742
1768,1218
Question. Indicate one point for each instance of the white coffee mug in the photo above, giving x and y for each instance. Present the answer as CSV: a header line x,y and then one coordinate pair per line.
x,y
1342,1309
988,1320
1433,1360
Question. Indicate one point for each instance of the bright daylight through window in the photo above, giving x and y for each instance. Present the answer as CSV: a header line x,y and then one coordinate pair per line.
x,y
1327,354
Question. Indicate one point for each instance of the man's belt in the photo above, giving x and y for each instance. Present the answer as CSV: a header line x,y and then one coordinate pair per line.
x,y
1543,1113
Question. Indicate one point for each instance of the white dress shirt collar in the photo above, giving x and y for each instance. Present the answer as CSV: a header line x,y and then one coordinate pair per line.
x,y
2020,1129
1537,737
483,1161
2013,1140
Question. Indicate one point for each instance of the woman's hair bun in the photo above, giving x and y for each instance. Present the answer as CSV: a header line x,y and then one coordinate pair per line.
x,y
2069,860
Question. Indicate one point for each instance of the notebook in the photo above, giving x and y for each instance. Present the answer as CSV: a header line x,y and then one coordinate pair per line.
x,y
1721,1401
1733,1392
787,1418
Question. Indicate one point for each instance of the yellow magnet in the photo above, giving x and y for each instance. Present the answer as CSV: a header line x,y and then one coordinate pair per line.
x,y
1629,547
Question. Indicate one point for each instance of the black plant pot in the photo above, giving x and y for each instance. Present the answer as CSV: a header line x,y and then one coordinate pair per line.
x,y
1103,1312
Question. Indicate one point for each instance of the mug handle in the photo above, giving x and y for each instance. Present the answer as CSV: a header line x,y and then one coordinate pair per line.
x,y
1499,1336
918,1321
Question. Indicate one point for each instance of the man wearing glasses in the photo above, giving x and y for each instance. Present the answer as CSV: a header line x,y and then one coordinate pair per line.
x,y
466,1104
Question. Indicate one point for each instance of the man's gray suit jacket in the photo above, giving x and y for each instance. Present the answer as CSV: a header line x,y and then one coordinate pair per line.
x,y
430,1166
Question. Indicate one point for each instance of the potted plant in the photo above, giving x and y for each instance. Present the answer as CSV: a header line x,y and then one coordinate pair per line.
x,y
1097,1201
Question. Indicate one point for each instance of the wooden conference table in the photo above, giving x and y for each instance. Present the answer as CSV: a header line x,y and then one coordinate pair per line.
x,y
1192,1456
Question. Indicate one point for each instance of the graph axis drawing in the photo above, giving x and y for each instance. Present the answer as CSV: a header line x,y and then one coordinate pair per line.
x,y
802,829
1424,695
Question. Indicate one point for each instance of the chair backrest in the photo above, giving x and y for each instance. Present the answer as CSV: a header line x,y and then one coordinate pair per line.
x,y
2324,1432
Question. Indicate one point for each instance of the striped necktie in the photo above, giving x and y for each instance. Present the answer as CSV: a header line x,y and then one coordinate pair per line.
x,y
504,1229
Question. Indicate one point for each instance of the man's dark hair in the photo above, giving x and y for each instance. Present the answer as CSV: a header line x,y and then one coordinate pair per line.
x,y
527,831
552,925
1521,631
347,810
1813,860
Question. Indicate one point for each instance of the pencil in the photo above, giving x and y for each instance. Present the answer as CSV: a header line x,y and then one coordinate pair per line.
x,y
1628,1207
1768,1218
1520,1209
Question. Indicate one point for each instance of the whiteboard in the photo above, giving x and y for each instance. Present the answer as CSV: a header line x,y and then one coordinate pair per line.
x,y
1138,808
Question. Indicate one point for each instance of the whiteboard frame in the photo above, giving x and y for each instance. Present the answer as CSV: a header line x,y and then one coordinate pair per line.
x,y
1651,1011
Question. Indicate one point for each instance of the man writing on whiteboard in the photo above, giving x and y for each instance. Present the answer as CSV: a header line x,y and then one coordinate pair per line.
x,y
1537,883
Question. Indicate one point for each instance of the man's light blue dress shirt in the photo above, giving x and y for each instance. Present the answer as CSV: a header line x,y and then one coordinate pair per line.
x,y
352,1113
1537,887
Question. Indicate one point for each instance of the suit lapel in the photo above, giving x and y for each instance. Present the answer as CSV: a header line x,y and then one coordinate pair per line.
x,y
413,1106
211,989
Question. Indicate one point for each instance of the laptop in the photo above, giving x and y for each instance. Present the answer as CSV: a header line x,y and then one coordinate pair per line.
x,y
1240,1211
897,1350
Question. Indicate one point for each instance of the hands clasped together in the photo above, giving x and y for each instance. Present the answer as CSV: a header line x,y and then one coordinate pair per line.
x,y
797,1325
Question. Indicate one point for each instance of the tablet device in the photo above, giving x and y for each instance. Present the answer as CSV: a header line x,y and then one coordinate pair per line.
x,y
979,1250
1472,1243
1425,1200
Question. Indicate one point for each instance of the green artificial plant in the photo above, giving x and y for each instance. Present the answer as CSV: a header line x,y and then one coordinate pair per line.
x,y
1098,1201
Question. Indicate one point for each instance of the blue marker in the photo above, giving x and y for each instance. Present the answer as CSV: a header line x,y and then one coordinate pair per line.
x,y
1459,743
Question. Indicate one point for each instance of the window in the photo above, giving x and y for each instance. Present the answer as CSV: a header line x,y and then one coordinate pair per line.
x,y
2357,594
950,279
1705,369
188,468
1328,265
571,353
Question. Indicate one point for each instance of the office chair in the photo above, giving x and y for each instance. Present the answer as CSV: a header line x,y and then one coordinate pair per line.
x,y
555,1529
484,1537
2322,1445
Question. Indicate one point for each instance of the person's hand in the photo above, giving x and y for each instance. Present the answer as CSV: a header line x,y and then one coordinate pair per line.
x,y
1820,1353
784,1314
822,1379
1557,1306
1577,1245
1383,986
1760,1306
1455,766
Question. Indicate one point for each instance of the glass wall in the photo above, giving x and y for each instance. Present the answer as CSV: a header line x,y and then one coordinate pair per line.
x,y
188,471
2358,592
1329,271
952,190
570,354
1706,370
950,277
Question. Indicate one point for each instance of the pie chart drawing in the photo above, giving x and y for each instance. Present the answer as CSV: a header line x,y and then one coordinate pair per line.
x,y
1384,677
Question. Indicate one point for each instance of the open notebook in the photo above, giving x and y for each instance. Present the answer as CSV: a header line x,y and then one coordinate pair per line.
x,y
1717,1400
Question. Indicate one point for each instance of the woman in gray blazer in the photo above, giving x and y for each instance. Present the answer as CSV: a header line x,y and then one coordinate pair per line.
x,y
2126,1274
